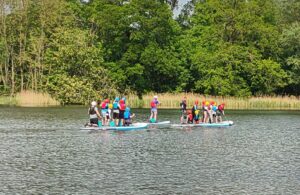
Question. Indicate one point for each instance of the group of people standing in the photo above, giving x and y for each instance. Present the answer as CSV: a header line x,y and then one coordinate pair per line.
x,y
114,113
208,112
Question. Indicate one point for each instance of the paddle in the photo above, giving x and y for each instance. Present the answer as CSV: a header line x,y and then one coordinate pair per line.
x,y
112,124
225,117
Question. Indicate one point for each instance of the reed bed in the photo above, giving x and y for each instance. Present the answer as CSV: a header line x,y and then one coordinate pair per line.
x,y
170,100
35,99
8,100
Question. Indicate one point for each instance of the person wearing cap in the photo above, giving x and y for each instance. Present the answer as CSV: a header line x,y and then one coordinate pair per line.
x,y
94,114
154,103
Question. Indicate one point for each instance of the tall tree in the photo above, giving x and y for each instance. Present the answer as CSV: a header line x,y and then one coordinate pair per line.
x,y
227,43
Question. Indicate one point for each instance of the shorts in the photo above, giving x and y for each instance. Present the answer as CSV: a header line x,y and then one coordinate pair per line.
x,y
107,116
116,115
94,121
103,113
154,110
127,122
116,111
121,115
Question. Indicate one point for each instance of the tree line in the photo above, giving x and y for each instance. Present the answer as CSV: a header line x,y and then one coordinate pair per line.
x,y
80,50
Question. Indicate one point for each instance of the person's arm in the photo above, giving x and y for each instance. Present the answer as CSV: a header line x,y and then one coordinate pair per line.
x,y
132,116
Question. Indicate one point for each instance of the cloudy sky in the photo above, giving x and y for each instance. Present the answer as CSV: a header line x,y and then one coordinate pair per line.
x,y
176,11
180,5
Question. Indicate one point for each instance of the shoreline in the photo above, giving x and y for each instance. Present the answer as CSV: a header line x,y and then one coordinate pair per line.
x,y
168,101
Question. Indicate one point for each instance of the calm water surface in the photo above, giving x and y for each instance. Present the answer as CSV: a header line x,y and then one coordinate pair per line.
x,y
42,151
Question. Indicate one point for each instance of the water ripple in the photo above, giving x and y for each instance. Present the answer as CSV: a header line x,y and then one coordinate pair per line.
x,y
42,152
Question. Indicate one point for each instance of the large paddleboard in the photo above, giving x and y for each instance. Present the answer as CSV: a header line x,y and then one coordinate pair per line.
x,y
222,124
160,124
134,126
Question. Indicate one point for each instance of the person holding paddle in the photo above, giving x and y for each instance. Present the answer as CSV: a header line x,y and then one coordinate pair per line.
x,y
183,118
220,112
94,114
154,103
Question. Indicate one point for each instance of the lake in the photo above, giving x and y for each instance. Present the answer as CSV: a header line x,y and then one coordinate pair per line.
x,y
44,152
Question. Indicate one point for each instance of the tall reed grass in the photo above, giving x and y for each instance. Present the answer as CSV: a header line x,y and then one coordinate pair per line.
x,y
8,100
35,99
170,100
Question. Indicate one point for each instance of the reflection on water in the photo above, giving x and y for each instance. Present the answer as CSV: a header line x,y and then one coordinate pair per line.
x,y
43,151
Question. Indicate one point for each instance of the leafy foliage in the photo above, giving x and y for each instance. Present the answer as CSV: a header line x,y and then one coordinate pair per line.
x,y
80,51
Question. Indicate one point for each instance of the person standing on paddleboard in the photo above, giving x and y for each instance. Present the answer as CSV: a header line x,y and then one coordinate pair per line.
x,y
104,111
183,117
94,114
116,111
195,108
154,103
220,112
214,112
122,110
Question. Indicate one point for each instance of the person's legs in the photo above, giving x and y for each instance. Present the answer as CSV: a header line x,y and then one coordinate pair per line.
x,y
151,115
121,118
114,117
205,117
219,116
182,118
210,116
117,119
221,119
103,113
155,115
127,122
94,121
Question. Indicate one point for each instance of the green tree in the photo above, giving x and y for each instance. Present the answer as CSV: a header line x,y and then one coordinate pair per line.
x,y
75,65
290,53
225,43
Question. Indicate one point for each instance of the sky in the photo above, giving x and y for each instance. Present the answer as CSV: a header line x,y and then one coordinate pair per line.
x,y
181,3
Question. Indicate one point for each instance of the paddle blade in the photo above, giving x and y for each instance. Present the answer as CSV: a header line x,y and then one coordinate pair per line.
x,y
112,123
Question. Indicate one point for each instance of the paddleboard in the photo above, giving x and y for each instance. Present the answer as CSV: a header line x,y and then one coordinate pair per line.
x,y
160,124
134,126
222,124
